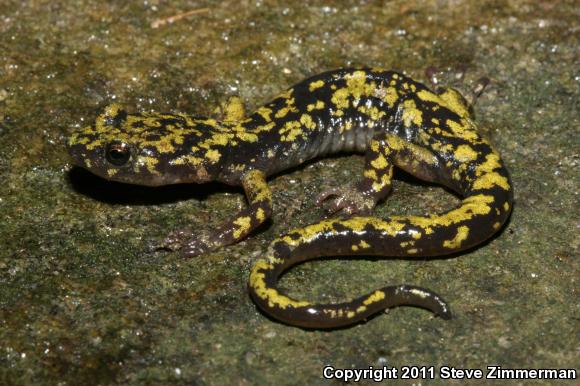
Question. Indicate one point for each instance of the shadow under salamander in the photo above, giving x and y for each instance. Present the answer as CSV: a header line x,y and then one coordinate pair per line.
x,y
111,192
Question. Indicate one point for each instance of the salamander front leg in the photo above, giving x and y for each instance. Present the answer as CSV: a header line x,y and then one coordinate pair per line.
x,y
374,186
258,211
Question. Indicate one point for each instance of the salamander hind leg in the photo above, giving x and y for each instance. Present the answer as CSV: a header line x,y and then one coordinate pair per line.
x,y
417,160
362,197
451,96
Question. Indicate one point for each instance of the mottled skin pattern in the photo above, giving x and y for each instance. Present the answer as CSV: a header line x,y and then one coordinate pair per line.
x,y
392,119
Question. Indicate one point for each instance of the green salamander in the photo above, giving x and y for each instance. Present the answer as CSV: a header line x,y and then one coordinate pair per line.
x,y
392,119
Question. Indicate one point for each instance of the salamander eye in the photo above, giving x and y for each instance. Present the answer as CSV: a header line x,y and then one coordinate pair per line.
x,y
118,153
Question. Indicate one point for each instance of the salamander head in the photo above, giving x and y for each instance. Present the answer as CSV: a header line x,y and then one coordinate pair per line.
x,y
148,149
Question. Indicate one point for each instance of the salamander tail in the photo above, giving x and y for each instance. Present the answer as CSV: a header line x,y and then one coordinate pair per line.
x,y
263,289
479,215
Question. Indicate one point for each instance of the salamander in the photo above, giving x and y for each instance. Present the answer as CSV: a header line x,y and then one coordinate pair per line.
x,y
392,119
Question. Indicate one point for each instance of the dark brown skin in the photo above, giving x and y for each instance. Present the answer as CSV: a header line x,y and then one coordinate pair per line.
x,y
394,120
